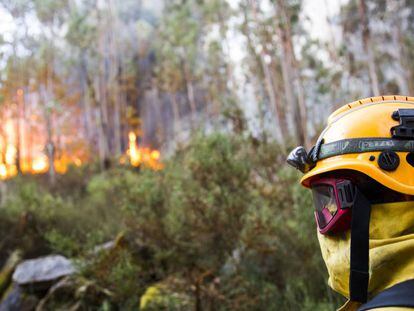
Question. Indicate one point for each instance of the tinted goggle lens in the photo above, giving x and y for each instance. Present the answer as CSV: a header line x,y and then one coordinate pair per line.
x,y
325,204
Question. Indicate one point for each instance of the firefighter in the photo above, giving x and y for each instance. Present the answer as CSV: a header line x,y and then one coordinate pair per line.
x,y
361,174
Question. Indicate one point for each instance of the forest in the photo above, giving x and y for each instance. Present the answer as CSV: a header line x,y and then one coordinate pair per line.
x,y
143,146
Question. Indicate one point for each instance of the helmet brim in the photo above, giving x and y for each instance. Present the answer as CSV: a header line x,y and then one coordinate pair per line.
x,y
361,165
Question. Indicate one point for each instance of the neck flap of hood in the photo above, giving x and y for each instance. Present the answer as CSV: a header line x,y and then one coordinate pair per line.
x,y
391,249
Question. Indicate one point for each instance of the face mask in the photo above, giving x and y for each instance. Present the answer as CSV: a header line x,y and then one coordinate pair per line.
x,y
391,249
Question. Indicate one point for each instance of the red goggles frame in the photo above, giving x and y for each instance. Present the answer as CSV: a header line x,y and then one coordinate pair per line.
x,y
333,201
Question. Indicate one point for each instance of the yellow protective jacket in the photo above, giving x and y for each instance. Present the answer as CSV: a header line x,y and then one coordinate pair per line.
x,y
350,306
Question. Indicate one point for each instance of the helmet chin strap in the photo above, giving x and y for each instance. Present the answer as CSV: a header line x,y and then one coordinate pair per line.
x,y
359,263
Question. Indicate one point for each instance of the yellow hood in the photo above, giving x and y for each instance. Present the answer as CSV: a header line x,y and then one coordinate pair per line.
x,y
391,249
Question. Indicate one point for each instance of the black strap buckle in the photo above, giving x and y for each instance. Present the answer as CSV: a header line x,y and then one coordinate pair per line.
x,y
346,194
406,127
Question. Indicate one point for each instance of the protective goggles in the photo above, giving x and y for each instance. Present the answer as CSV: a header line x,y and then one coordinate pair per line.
x,y
333,200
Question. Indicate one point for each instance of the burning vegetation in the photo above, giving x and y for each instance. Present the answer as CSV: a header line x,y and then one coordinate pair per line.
x,y
28,145
39,164
143,156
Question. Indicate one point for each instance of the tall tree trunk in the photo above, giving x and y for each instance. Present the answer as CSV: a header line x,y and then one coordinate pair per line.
x,y
403,77
274,72
117,119
104,125
101,139
47,112
29,141
18,136
83,72
291,73
197,293
23,132
406,83
50,148
5,139
123,112
18,121
102,98
176,114
260,91
102,144
48,96
271,92
115,82
366,39
156,102
226,44
270,89
190,91
331,42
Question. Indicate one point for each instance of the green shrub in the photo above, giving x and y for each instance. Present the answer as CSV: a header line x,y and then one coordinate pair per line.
x,y
225,217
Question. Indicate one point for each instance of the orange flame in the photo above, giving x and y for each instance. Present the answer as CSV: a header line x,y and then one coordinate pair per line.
x,y
23,141
40,164
143,156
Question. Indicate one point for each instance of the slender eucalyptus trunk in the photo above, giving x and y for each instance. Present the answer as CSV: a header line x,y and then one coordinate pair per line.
x,y
331,42
48,97
18,137
83,72
260,90
278,98
226,44
366,39
275,106
406,83
403,78
47,112
102,99
117,120
29,140
190,91
115,82
50,148
102,145
291,73
176,114
3,141
156,103
18,121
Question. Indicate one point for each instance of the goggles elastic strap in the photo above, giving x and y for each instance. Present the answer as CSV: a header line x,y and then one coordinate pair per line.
x,y
359,266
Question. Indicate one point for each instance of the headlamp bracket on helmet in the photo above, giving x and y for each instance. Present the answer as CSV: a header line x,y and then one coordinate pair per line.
x,y
299,158
406,128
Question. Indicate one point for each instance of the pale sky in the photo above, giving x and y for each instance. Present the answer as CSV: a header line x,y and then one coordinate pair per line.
x,y
315,16
6,23
316,10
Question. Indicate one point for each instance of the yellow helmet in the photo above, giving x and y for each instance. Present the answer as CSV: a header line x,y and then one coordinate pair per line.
x,y
374,136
